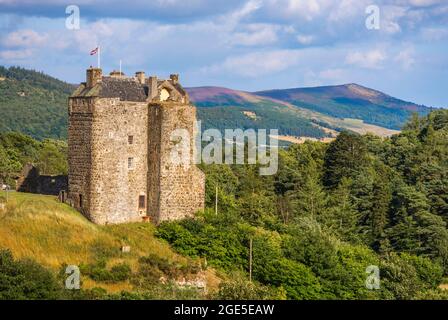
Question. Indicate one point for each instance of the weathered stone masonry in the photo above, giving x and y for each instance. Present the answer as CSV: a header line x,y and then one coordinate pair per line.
x,y
119,149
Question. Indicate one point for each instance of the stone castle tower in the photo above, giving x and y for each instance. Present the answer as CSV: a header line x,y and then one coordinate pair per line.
x,y
119,149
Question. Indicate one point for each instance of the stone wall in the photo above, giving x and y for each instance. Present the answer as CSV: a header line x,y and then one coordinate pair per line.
x,y
116,187
32,181
182,187
79,152
154,139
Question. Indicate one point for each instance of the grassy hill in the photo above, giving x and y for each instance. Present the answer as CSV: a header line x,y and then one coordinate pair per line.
x,y
33,103
53,234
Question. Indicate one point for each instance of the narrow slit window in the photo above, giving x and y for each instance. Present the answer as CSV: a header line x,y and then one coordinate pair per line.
x,y
130,163
80,200
131,139
141,202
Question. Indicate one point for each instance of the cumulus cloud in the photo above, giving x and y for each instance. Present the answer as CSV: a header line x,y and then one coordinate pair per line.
x,y
257,63
244,42
255,34
305,39
16,55
371,59
24,38
406,58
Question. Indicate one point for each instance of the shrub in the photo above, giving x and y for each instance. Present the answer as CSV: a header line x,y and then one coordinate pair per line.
x,y
25,279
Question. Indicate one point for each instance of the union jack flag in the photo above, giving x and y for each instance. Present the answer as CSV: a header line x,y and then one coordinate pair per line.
x,y
94,51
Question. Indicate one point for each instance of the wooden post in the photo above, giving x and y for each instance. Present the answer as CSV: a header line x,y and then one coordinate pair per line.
x,y
216,201
250,259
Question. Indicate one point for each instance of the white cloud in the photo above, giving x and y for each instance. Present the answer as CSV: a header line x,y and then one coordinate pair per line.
x,y
434,34
257,63
256,34
406,58
24,38
371,59
305,39
15,55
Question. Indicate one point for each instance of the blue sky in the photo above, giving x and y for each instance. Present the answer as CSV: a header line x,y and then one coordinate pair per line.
x,y
241,44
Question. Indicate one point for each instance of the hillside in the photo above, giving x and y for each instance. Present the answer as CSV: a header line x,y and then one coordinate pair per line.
x,y
350,101
226,108
53,234
33,103
316,226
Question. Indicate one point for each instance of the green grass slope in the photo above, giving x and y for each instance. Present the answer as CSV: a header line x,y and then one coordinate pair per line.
x,y
54,234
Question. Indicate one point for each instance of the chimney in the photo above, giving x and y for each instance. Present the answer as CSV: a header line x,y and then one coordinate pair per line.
x,y
140,75
174,78
152,87
116,74
94,75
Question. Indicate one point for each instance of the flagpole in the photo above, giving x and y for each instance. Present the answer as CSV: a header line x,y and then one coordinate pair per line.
x,y
99,57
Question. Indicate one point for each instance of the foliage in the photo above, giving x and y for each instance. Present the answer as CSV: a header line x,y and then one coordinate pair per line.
x,y
33,103
25,279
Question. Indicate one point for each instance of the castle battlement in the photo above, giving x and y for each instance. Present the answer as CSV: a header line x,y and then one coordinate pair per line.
x,y
120,168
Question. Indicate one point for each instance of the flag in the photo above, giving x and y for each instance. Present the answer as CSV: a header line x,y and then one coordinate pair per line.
x,y
94,51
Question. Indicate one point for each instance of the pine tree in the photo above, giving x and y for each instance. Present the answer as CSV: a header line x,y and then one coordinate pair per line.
x,y
342,216
345,157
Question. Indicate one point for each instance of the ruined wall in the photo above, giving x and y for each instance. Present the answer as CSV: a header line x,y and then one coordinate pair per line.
x,y
182,187
115,188
79,152
31,181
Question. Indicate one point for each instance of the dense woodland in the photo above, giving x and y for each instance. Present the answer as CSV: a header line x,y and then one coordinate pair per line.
x,y
33,103
331,211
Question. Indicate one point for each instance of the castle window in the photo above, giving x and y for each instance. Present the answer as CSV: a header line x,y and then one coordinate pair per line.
x,y
130,163
80,200
141,202
130,139
164,95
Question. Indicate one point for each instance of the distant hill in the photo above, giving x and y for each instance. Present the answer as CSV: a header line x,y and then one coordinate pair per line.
x,y
36,104
33,103
311,112
350,101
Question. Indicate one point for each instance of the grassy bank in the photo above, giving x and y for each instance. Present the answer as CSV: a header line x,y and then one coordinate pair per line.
x,y
54,234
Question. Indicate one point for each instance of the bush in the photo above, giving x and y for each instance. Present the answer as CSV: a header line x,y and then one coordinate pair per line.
x,y
241,289
25,279
99,272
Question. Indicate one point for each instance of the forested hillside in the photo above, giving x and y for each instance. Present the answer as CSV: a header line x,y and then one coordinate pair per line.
x,y
330,212
36,104
33,103
351,101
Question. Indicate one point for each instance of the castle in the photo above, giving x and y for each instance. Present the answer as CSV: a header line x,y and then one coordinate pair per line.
x,y
119,149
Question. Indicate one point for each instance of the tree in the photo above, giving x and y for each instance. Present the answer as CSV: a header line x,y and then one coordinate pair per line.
x,y
342,216
345,157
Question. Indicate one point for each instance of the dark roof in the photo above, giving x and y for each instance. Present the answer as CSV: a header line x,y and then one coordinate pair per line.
x,y
125,89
